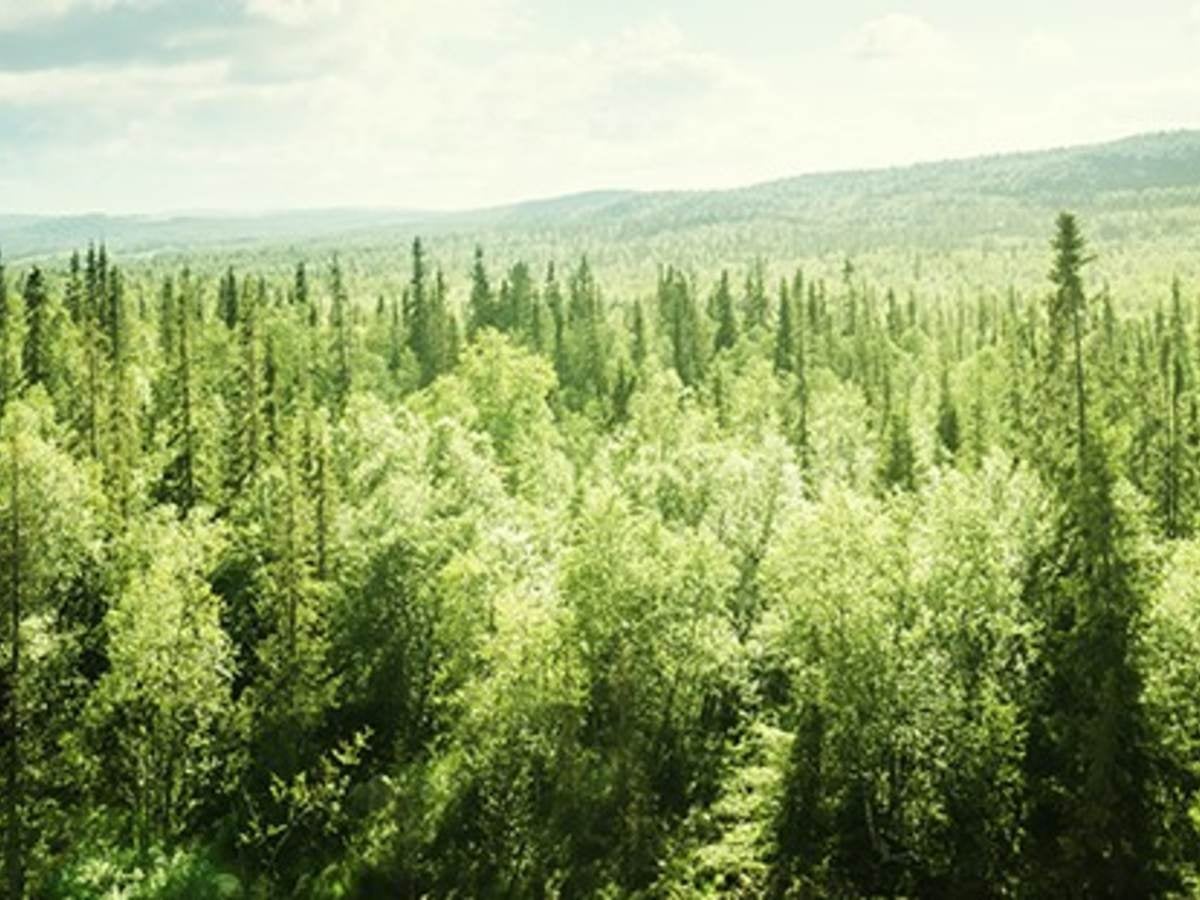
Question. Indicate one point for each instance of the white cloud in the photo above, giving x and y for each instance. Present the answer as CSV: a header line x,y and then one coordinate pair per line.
x,y
1045,47
898,36
16,14
127,86
294,12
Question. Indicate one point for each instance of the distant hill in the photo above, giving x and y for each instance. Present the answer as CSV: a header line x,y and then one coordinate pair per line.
x,y
1140,187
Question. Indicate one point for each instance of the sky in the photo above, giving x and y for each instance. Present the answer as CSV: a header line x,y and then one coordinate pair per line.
x,y
248,105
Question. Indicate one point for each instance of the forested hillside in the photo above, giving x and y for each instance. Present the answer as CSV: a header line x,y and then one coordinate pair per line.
x,y
1142,189
368,576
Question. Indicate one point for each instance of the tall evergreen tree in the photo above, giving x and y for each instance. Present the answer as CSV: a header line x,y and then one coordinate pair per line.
x,y
639,349
1091,826
481,311
726,335
341,349
12,342
227,299
36,357
947,422
299,292
180,478
785,350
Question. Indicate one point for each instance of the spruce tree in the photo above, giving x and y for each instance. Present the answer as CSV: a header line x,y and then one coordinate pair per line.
x,y
340,351
35,359
1091,821
12,340
639,349
227,299
481,312
726,335
180,478
947,422
785,352
299,293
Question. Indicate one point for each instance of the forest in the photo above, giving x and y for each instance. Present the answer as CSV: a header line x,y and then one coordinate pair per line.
x,y
362,575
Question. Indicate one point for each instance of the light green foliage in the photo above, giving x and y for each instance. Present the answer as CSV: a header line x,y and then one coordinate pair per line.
x,y
163,708
399,583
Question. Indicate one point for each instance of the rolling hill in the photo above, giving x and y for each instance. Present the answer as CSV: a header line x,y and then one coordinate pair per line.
x,y
1141,187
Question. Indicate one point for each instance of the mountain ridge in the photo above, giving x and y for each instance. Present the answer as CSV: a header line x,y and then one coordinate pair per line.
x,y
898,203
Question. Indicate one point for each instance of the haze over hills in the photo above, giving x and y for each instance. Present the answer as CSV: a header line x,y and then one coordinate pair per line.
x,y
1138,187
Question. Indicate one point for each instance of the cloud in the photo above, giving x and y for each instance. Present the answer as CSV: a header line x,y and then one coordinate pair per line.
x,y
897,36
1044,47
17,14
294,12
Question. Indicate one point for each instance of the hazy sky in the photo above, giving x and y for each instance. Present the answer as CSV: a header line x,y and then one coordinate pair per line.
x,y
153,105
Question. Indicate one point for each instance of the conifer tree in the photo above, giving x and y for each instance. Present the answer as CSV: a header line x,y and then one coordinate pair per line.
x,y
248,427
73,294
122,426
554,301
35,358
947,423
726,335
756,303
341,350
180,479
683,327
516,311
785,352
639,349
1175,494
227,299
482,306
395,352
12,342
1091,826
299,293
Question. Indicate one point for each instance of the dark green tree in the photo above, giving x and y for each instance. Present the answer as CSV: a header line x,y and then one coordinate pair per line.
x,y
1091,823
726,335
35,358
482,309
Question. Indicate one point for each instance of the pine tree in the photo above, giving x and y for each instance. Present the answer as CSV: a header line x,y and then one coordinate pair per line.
x,y
726,335
639,348
785,351
586,350
756,303
947,423
73,295
482,311
898,468
554,301
395,351
122,427
299,293
248,426
1091,825
12,342
1175,495
113,300
180,479
35,359
801,363
520,298
426,318
227,299
683,327
340,352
